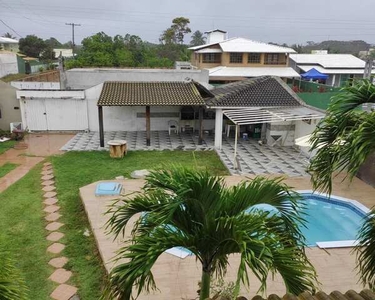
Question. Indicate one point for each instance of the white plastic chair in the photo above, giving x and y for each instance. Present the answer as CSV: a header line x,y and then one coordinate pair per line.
x,y
172,126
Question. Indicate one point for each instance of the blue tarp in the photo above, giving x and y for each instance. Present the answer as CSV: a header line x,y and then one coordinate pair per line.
x,y
314,75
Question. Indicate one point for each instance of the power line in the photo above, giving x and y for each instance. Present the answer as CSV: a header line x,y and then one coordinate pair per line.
x,y
10,28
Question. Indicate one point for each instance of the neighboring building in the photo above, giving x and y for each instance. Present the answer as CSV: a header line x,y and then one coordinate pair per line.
x,y
239,58
9,106
319,51
339,67
67,53
8,63
8,44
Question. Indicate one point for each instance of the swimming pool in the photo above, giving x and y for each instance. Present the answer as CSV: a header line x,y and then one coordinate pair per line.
x,y
331,222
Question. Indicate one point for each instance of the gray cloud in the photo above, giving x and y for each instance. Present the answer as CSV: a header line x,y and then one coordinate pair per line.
x,y
293,21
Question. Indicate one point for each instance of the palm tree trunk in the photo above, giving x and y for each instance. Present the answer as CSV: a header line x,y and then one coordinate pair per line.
x,y
205,285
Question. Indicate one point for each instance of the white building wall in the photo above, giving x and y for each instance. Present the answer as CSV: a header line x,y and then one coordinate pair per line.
x,y
8,63
34,85
87,78
302,129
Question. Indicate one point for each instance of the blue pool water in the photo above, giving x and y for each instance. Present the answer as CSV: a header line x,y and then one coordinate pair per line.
x,y
330,220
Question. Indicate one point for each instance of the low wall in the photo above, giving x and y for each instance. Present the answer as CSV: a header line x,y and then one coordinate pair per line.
x,y
35,85
367,170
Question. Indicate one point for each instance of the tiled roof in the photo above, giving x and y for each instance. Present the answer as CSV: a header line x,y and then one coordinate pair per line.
x,y
263,91
335,295
119,93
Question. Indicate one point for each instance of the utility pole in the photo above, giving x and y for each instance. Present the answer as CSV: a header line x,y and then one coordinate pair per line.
x,y
73,44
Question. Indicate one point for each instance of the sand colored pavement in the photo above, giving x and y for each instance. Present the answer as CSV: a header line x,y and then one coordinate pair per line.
x,y
177,278
39,147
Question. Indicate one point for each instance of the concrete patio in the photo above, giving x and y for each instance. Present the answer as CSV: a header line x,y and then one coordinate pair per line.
x,y
178,278
253,158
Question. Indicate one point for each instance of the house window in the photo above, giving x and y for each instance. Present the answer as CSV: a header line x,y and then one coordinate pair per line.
x,y
236,58
212,58
272,59
253,58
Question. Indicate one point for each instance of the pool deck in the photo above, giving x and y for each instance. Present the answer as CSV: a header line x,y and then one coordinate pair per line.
x,y
177,278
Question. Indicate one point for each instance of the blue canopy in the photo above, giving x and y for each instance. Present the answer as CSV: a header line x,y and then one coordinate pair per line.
x,y
314,75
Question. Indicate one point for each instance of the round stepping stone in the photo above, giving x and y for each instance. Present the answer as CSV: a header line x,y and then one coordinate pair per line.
x,y
60,276
55,236
58,262
48,177
63,292
46,164
51,208
53,217
47,168
56,248
54,226
48,182
51,201
49,194
48,188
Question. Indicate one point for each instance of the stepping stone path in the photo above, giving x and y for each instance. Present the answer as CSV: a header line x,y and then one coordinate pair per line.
x,y
60,276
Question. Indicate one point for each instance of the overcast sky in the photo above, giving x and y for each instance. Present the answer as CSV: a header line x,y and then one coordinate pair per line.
x,y
281,21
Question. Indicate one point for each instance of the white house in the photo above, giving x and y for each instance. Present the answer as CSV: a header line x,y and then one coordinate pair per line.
x,y
240,58
8,44
8,63
339,67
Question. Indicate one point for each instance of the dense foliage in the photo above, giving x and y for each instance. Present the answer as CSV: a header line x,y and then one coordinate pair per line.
x,y
191,209
344,140
101,50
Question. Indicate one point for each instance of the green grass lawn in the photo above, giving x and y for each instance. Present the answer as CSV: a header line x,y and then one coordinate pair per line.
x,y
22,233
76,169
6,145
6,168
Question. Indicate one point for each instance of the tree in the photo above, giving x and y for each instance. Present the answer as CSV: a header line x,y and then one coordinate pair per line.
x,y
176,33
9,35
190,209
53,43
344,139
197,39
180,26
31,46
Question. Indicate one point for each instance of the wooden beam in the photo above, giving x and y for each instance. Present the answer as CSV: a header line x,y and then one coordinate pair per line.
x,y
200,139
148,131
101,127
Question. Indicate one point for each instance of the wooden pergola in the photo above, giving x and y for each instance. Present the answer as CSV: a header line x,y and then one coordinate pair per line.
x,y
148,94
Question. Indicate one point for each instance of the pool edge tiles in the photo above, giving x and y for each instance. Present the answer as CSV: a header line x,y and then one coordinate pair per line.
x,y
353,205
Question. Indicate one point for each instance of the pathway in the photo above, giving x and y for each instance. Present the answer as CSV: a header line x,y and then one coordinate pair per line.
x,y
39,147
60,276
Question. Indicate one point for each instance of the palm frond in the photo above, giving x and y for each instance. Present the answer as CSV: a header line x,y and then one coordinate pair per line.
x,y
343,139
365,251
139,258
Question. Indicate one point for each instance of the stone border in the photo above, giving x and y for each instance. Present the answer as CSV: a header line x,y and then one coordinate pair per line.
x,y
60,275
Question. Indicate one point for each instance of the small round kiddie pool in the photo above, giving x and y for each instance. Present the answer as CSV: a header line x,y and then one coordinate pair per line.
x,y
331,222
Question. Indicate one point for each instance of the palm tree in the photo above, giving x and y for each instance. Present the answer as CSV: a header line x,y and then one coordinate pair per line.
x,y
344,139
12,287
190,209
197,39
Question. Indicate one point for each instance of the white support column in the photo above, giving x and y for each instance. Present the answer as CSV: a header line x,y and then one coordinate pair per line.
x,y
235,149
218,128
334,80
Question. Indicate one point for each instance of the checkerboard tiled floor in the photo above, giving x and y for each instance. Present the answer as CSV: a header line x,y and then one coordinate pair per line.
x,y
253,158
